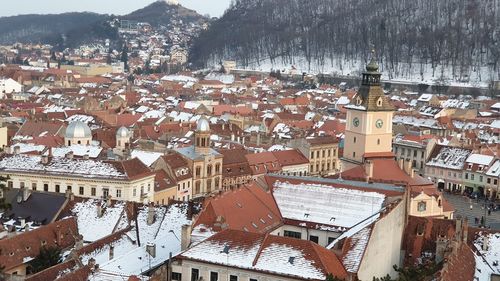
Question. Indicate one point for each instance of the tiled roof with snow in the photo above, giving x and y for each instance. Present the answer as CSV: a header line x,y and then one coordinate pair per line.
x,y
359,241
93,227
479,159
146,157
494,170
78,150
61,166
326,205
488,255
449,158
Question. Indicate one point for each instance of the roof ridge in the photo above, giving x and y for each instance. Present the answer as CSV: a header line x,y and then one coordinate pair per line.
x,y
259,251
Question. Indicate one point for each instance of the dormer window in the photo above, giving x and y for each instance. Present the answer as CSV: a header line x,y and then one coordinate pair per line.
x,y
358,101
422,206
379,102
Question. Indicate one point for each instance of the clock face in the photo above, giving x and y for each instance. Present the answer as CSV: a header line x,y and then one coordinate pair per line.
x,y
355,122
379,123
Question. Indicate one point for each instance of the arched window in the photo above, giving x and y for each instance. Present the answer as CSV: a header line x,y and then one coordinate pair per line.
x,y
378,141
209,185
217,168
209,170
197,187
379,102
198,171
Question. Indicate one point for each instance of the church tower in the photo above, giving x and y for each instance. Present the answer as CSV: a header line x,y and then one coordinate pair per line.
x,y
369,120
202,136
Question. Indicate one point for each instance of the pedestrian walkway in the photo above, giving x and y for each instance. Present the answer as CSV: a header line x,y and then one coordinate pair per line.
x,y
463,204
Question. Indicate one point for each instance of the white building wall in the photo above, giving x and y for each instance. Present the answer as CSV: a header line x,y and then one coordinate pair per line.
x,y
384,247
126,188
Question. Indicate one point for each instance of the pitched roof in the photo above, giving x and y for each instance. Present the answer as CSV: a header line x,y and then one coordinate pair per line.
x,y
28,244
248,208
290,157
276,255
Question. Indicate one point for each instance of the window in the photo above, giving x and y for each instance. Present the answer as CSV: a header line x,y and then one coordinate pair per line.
x,y
323,153
105,192
178,187
488,180
252,279
69,188
81,190
176,276
198,171
58,188
422,206
414,153
354,140
314,239
354,155
216,183
422,155
292,234
312,155
378,141
466,176
214,276
22,185
480,178
317,154
495,181
209,185
209,170
195,274
329,152
330,240
45,187
197,187
334,152
472,176
217,168
233,278
92,191
33,186
414,163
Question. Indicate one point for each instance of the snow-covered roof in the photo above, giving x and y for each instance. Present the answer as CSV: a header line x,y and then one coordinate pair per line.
x,y
479,159
91,226
326,205
61,165
494,169
425,97
146,157
78,150
28,147
450,158
488,255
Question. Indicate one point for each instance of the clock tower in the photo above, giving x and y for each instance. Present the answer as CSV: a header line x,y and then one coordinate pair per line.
x,y
369,120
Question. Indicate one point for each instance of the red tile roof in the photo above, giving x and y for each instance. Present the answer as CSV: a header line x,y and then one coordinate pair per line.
x,y
28,244
239,209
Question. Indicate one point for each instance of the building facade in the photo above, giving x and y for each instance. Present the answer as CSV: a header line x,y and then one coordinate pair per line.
x,y
369,120
322,153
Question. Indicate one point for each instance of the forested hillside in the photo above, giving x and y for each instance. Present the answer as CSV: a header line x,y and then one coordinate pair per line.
x,y
413,38
43,28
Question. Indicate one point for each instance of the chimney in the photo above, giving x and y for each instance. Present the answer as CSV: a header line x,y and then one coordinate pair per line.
x,y
441,246
86,157
151,249
258,139
486,241
45,159
91,263
99,210
458,230
185,236
369,170
26,193
17,149
223,126
151,215
70,155
22,222
111,252
465,230
79,242
401,162
407,167
69,194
